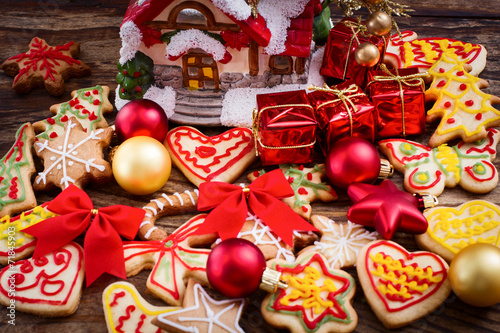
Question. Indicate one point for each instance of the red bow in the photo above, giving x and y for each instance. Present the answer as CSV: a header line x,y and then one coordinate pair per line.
x,y
102,245
231,208
236,40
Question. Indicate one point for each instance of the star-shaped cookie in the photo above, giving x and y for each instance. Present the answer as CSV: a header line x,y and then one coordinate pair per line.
x,y
465,110
44,65
307,184
340,243
73,158
88,105
201,313
317,298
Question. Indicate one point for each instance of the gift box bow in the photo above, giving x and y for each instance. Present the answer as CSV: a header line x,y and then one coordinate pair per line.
x,y
103,249
230,204
343,95
412,80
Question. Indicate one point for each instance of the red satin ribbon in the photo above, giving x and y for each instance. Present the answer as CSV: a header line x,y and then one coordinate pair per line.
x,y
102,245
231,208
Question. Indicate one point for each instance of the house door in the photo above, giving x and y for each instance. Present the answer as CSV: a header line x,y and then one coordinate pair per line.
x,y
200,72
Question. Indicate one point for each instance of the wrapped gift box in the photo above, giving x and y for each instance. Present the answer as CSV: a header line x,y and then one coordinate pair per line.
x,y
343,110
343,40
284,127
398,97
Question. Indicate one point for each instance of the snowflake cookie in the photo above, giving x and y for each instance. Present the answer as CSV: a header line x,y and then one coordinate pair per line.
x,y
340,243
465,111
44,65
75,157
307,185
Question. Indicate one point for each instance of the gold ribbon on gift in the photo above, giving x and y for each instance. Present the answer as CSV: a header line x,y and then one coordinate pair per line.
x,y
357,28
341,97
401,80
256,130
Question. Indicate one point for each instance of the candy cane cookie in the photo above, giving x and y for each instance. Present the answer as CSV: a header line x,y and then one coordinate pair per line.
x,y
166,205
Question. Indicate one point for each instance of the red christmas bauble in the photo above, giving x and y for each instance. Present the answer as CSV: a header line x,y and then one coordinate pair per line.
x,y
235,267
141,117
352,160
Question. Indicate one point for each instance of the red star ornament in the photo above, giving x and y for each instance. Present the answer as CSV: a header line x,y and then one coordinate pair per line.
x,y
385,208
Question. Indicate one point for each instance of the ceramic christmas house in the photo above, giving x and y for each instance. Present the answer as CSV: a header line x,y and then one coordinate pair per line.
x,y
202,48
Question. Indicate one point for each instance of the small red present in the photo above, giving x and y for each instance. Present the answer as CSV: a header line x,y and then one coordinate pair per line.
x,y
343,110
398,97
343,40
284,127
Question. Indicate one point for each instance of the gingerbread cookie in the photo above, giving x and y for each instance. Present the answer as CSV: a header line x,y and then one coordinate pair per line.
x,y
400,286
413,52
340,243
73,158
308,186
45,66
88,105
318,299
429,170
202,312
16,169
202,158
172,260
453,228
174,204
465,111
126,311
47,286
14,243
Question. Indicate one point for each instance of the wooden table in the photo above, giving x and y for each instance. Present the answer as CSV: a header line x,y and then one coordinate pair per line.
x,y
95,24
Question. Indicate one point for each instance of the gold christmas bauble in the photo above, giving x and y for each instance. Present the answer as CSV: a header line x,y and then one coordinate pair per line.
x,y
379,23
141,165
367,55
474,274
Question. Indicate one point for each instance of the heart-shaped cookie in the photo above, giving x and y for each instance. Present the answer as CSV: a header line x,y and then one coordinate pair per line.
x,y
126,311
400,286
203,158
453,228
47,286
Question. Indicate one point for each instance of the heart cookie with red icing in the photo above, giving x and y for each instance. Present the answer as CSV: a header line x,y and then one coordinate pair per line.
x,y
47,286
400,286
203,158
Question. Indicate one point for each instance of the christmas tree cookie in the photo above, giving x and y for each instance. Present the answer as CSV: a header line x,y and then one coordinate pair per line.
x,y
44,65
88,105
465,111
16,169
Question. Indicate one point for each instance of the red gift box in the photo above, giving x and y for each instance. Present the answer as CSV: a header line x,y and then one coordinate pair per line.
x,y
398,97
284,127
343,110
343,40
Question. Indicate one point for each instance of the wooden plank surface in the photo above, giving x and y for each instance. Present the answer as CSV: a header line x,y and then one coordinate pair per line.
x,y
95,24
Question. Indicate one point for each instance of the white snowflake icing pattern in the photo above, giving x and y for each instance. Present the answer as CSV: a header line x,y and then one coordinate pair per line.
x,y
336,246
260,231
68,156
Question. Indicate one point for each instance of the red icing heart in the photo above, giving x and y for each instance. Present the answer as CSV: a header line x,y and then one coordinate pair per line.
x,y
387,274
208,157
45,280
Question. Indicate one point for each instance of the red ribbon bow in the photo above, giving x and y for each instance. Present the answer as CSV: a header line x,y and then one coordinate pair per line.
x,y
103,248
235,40
231,208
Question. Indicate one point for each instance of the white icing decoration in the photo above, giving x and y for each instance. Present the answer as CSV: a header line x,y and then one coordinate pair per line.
x,y
131,38
155,212
65,153
158,203
148,215
181,42
340,244
210,317
168,199
150,231
190,196
179,197
238,9
53,158
144,223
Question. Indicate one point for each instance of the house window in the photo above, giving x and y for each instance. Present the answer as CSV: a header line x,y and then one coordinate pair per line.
x,y
281,64
191,16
